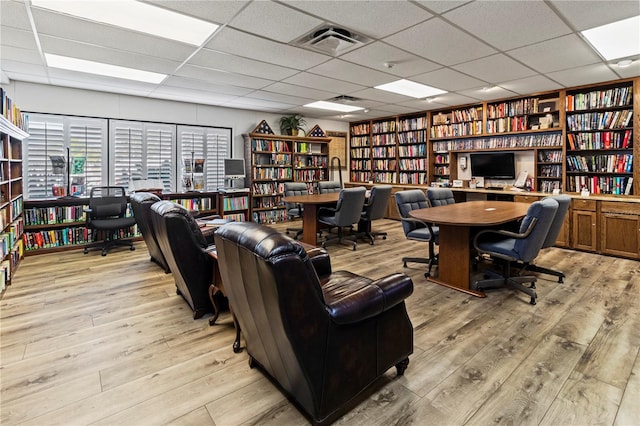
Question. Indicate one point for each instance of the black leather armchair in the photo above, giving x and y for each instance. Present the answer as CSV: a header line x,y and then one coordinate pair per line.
x,y
186,251
141,203
323,336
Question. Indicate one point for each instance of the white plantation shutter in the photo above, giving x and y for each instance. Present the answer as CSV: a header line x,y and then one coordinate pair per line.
x,y
209,143
87,141
160,143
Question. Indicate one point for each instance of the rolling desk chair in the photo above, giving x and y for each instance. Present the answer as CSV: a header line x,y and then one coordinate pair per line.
x,y
374,209
346,213
325,187
106,216
440,197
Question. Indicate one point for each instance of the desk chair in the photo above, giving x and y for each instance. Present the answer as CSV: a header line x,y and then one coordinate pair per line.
x,y
415,229
329,186
563,206
374,209
106,216
507,247
294,210
141,203
347,212
440,197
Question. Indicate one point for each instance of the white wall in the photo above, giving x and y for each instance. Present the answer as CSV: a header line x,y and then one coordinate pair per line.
x,y
69,101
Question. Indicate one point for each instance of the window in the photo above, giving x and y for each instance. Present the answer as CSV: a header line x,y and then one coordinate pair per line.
x,y
211,144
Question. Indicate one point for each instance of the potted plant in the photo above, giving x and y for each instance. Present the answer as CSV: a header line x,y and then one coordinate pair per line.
x,y
290,124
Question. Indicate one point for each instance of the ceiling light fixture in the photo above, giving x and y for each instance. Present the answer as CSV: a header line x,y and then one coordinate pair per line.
x,y
136,16
81,65
332,106
410,88
625,63
617,39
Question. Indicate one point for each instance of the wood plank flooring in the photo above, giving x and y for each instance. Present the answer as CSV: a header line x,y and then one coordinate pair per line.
x,y
86,339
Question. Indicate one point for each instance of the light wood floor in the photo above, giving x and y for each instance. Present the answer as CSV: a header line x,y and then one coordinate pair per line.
x,y
87,339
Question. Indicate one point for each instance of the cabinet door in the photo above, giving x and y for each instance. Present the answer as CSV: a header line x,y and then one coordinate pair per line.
x,y
392,208
565,231
584,230
620,235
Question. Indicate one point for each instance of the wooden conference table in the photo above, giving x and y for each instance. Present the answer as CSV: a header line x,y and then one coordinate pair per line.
x,y
456,222
310,205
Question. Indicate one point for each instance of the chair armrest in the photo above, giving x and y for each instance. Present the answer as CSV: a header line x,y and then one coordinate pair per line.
x,y
325,210
370,300
207,233
321,261
504,233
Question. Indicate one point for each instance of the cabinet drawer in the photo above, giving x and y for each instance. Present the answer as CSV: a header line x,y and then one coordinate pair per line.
x,y
525,198
588,205
622,208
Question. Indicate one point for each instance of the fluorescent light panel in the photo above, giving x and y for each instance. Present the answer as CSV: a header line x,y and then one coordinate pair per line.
x,y
333,106
410,88
81,65
136,16
617,39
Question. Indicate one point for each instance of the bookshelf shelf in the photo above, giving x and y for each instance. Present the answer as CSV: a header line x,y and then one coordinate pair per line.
x,y
360,150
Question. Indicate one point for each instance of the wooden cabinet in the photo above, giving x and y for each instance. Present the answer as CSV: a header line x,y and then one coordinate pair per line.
x,y
620,229
235,205
584,225
204,203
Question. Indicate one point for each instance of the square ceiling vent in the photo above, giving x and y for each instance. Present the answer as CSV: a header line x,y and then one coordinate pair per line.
x,y
332,40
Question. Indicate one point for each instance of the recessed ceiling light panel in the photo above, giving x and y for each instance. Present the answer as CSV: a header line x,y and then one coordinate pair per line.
x,y
332,106
617,39
81,65
410,88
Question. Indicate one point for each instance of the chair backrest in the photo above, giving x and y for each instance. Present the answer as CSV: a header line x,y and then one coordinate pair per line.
x,y
141,203
542,212
440,196
107,202
563,206
349,207
294,188
378,200
329,186
410,199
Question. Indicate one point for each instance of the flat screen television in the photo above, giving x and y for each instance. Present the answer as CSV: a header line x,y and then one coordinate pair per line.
x,y
493,165
234,168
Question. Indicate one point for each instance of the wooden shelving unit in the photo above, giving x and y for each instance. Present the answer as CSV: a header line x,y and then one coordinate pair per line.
x,y
413,160
384,165
360,152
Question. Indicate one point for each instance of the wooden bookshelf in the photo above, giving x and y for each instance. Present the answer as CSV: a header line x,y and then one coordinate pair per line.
x,y
384,164
413,160
360,152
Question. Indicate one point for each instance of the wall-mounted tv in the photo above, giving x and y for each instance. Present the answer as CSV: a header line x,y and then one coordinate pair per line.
x,y
493,165
234,168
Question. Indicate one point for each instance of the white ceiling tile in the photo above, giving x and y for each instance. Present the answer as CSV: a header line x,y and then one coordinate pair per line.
x,y
28,69
448,79
585,14
343,70
530,85
252,103
495,68
190,83
190,95
422,104
453,99
250,46
376,54
222,77
13,14
487,94
441,6
227,62
275,21
213,11
305,92
10,36
493,21
584,75
555,55
396,109
322,83
443,44
11,53
380,96
278,97
631,71
368,18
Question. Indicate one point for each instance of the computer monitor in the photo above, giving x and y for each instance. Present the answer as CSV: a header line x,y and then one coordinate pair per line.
x,y
234,168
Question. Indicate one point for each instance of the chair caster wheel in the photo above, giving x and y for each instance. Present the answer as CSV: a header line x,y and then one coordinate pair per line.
x,y
132,248
532,286
384,237
86,251
252,362
354,248
426,275
533,301
104,253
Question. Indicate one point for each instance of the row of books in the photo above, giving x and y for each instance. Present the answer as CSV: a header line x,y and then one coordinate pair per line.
x,y
616,163
310,175
5,274
56,237
383,126
412,150
513,124
599,120
513,108
496,142
196,203
600,140
414,123
384,165
272,216
360,152
11,112
360,175
545,156
311,161
261,159
359,141
236,217
413,178
272,173
307,147
267,202
384,177
384,139
268,145
360,164
418,136
458,116
442,170
468,128
52,215
360,129
549,185
235,203
550,171
413,164
386,152
616,185
441,159
16,207
615,97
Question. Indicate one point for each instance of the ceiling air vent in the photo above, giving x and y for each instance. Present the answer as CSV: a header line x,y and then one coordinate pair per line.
x,y
344,99
332,40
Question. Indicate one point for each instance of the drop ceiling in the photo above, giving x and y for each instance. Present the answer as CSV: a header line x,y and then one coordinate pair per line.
x,y
475,50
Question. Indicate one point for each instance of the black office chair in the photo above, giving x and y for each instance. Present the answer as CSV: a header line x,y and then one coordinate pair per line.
x,y
440,197
294,210
415,229
328,186
563,206
374,209
346,213
506,247
141,203
106,216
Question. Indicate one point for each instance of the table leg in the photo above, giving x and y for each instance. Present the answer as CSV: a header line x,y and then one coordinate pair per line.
x,y
310,224
213,290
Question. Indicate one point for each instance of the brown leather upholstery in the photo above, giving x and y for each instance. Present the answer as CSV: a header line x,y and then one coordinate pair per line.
x,y
141,204
323,336
185,249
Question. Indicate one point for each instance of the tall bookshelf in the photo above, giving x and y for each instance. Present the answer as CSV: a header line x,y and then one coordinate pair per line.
x,y
413,165
383,151
360,152
276,159
600,139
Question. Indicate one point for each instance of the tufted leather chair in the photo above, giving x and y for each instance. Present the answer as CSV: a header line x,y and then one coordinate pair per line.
x,y
141,203
323,336
185,249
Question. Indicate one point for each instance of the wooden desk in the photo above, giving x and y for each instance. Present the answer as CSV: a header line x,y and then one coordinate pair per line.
x,y
218,287
310,204
456,222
